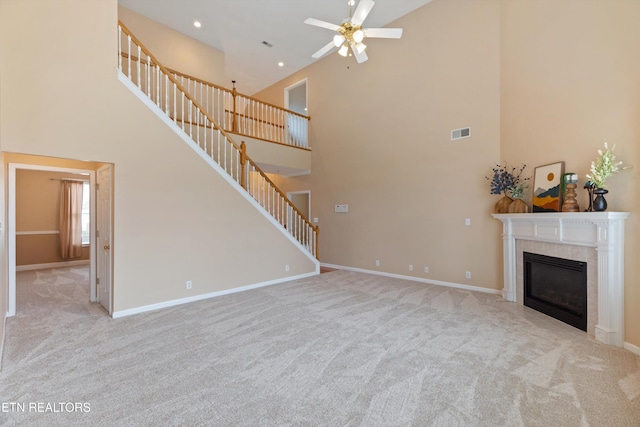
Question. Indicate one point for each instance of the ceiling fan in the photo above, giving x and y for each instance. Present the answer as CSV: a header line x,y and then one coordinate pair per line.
x,y
351,34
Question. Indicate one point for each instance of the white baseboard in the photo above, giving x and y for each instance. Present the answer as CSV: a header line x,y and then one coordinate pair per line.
x,y
632,348
61,264
416,279
166,304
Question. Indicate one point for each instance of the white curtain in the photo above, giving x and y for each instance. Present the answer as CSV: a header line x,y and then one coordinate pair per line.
x,y
71,219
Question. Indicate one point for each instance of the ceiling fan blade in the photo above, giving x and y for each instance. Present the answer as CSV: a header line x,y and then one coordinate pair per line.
x,y
322,24
361,12
360,57
329,46
383,33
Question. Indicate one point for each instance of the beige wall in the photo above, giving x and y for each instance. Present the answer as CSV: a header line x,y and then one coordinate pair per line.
x,y
538,82
570,81
38,210
175,219
176,50
380,133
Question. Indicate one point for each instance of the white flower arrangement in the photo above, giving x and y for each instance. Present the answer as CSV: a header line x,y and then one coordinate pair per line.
x,y
604,166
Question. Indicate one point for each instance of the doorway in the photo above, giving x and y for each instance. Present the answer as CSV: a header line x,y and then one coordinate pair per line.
x,y
12,232
302,201
295,97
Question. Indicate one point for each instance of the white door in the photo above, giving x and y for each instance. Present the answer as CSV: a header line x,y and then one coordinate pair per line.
x,y
103,247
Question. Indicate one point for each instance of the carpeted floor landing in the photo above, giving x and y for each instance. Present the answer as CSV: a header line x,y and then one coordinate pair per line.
x,y
339,349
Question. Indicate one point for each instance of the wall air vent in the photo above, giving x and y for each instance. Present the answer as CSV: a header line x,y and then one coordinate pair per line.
x,y
460,133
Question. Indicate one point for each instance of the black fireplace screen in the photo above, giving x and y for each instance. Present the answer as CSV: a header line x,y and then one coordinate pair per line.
x,y
556,287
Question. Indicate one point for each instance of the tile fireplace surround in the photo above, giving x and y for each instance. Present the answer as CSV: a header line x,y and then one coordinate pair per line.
x,y
582,236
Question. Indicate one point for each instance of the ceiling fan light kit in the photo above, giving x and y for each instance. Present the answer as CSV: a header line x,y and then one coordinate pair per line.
x,y
358,36
351,34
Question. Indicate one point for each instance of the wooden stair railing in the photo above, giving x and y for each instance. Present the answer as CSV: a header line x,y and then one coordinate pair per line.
x,y
167,93
242,114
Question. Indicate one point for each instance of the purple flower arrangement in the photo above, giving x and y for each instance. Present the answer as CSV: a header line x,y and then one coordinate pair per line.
x,y
508,180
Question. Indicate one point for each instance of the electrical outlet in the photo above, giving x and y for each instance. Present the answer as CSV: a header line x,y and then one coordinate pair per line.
x,y
467,221
377,263
189,284
426,269
468,275
410,267
286,267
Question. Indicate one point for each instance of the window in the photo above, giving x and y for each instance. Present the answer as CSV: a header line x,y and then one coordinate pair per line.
x,y
86,203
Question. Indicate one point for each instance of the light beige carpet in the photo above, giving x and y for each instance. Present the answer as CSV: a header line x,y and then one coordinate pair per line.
x,y
340,349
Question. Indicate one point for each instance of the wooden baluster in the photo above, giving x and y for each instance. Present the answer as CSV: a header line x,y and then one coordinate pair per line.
x,y
283,124
138,67
182,108
166,96
226,156
270,119
190,119
129,57
119,48
175,111
158,72
205,126
218,143
204,93
148,82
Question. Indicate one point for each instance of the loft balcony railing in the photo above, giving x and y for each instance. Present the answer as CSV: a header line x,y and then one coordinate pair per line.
x,y
242,114
163,88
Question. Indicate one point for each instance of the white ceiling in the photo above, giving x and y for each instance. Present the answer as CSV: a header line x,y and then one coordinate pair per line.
x,y
238,28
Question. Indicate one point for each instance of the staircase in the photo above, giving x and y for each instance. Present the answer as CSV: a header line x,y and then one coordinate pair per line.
x,y
184,111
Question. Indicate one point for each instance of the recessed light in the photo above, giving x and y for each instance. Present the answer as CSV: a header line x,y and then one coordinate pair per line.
x,y
197,24
280,64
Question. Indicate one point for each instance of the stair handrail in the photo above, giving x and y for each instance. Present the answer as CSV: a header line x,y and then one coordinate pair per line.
x,y
241,150
204,82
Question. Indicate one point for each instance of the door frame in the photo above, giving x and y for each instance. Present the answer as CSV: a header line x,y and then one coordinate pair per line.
x,y
308,192
306,95
11,227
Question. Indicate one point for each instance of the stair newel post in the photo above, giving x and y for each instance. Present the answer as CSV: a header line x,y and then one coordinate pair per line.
x,y
234,113
317,230
243,165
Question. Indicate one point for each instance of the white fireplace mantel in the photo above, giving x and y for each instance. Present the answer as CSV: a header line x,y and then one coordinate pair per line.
x,y
603,231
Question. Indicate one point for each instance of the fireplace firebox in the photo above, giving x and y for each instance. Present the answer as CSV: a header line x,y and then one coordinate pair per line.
x,y
556,287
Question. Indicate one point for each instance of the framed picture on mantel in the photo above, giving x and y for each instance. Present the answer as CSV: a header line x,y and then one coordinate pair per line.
x,y
546,188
